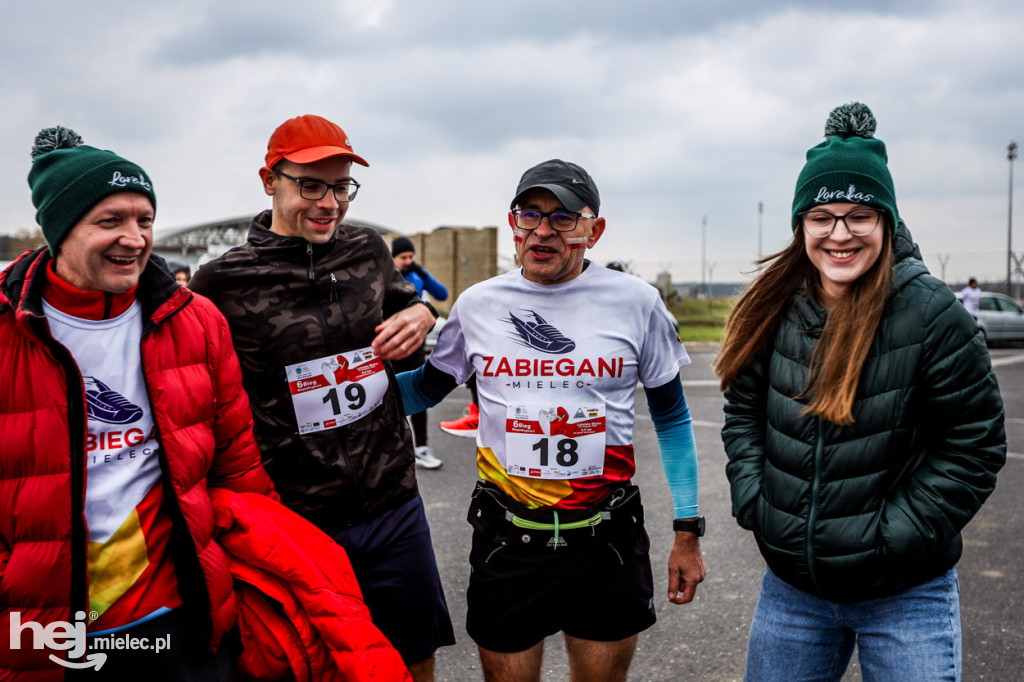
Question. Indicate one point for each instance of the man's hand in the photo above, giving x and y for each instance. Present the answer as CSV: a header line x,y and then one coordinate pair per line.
x,y
685,568
402,333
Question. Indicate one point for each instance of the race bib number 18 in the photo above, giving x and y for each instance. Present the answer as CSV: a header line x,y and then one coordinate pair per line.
x,y
555,441
337,389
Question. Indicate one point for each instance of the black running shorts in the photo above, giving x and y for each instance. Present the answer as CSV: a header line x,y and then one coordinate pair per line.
x,y
598,589
393,560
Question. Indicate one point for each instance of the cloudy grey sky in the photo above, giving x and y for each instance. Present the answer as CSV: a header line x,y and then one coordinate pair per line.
x,y
680,109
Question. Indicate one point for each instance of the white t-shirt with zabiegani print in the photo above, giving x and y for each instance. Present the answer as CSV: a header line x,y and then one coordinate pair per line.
x,y
557,368
131,573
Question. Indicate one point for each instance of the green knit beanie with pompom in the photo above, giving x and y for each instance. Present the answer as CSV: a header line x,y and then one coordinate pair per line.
x,y
848,167
68,178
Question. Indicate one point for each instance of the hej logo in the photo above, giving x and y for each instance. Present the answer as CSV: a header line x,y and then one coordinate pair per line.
x,y
61,636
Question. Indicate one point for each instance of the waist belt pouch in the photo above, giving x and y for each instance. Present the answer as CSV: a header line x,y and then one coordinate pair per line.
x,y
493,513
488,513
625,509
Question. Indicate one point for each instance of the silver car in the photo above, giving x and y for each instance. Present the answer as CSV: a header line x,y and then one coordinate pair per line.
x,y
1000,318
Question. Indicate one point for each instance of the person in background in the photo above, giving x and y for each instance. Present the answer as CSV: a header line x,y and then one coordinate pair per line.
x,y
182,273
559,542
122,413
404,253
316,307
970,296
863,427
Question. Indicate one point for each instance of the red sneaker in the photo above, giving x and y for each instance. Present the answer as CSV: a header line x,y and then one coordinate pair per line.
x,y
466,425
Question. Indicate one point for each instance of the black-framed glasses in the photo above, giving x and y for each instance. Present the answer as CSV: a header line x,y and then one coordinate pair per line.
x,y
560,221
315,190
860,222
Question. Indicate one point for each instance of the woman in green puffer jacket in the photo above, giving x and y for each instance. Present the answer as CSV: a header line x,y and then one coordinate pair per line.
x,y
864,429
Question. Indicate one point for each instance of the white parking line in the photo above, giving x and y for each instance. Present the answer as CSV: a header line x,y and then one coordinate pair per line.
x,y
1008,360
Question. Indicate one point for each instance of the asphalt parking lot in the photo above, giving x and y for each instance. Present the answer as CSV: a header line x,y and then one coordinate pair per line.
x,y
706,640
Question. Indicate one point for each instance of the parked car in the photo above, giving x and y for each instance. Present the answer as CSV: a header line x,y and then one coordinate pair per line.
x,y
1001,318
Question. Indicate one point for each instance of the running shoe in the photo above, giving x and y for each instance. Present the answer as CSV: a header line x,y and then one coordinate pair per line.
x,y
466,425
425,458
107,405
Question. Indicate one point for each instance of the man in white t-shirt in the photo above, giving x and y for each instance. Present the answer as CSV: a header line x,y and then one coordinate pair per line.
x,y
558,347
970,296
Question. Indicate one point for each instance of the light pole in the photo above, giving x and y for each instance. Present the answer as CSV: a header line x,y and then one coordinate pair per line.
x,y
760,214
1011,154
703,253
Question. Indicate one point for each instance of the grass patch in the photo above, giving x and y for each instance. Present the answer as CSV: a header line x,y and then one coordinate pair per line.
x,y
701,320
707,310
695,333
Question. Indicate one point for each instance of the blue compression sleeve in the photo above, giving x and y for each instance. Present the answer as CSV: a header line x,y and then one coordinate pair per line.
x,y
424,387
674,427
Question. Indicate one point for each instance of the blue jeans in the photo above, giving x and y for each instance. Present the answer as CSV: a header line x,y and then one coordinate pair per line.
x,y
910,636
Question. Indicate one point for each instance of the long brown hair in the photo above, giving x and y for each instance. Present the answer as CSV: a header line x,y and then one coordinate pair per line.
x,y
843,347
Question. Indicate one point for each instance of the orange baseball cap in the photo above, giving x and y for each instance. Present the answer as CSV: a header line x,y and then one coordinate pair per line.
x,y
308,139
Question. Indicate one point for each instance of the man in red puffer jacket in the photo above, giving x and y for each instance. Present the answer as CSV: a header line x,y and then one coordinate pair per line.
x,y
121,406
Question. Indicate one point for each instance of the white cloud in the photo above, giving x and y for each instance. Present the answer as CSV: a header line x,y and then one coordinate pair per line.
x,y
679,110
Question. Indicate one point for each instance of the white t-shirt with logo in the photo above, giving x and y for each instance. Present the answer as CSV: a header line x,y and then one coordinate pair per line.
x,y
129,565
567,357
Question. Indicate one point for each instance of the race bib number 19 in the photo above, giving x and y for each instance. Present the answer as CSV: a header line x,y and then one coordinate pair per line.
x,y
554,441
337,389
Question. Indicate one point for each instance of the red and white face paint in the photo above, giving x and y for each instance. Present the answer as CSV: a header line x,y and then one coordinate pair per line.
x,y
546,255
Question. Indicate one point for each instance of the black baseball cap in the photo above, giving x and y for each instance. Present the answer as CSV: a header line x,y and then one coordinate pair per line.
x,y
570,183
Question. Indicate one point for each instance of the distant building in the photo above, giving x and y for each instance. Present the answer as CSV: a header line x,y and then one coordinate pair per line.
x,y
194,245
458,257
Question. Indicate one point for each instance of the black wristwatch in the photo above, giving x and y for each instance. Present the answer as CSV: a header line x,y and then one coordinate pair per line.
x,y
692,525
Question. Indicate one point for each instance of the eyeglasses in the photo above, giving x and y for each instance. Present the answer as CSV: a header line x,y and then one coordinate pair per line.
x,y
314,190
860,222
560,221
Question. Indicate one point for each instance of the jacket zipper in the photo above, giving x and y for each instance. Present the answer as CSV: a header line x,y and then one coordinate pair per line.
x,y
79,541
316,299
328,344
336,298
819,451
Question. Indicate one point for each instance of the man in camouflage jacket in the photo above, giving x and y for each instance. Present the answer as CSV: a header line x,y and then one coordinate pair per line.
x,y
316,308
